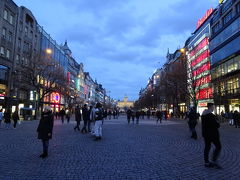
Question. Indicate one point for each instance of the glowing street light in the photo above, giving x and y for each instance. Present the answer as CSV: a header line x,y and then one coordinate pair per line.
x,y
182,50
49,51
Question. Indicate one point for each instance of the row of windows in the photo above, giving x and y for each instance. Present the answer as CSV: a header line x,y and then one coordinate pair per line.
x,y
3,72
230,86
227,67
8,16
5,52
8,36
226,18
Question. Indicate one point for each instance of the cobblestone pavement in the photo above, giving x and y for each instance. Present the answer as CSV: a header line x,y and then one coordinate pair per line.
x,y
144,151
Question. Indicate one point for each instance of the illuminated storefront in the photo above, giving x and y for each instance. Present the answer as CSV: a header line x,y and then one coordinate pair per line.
x,y
225,56
198,56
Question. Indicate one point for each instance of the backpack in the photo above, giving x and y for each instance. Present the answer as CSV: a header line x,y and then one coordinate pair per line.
x,y
99,114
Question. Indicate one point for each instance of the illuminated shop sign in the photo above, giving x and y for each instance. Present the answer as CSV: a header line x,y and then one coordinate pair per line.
x,y
55,98
204,18
203,68
204,93
200,46
200,58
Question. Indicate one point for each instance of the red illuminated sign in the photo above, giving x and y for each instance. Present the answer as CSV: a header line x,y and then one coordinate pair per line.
x,y
200,46
204,18
204,93
203,68
200,58
55,98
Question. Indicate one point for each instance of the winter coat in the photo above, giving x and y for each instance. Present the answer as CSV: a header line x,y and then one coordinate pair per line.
x,y
193,117
45,126
209,125
7,117
15,116
86,114
78,115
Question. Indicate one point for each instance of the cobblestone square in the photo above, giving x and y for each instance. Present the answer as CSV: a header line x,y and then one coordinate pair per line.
x,y
144,151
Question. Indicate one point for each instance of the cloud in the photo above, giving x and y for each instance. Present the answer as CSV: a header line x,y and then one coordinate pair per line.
x,y
120,42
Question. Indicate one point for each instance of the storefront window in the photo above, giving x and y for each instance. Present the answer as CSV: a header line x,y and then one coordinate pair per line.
x,y
233,86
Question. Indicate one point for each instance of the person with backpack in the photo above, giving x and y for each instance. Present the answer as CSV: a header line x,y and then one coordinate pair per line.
x,y
98,122
78,117
86,118
193,118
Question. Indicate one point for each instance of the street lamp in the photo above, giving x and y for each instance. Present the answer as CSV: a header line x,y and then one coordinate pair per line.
x,y
48,51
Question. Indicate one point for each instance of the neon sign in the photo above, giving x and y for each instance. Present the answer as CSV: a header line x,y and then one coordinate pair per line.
x,y
55,98
204,18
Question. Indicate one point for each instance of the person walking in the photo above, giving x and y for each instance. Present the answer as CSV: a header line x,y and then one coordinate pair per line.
x,y
92,120
211,135
15,118
133,116
62,113
236,119
1,117
129,114
159,116
78,117
109,114
148,114
192,122
7,118
85,114
138,113
45,129
98,122
68,115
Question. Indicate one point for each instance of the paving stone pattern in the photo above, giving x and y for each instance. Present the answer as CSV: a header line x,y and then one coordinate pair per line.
x,y
144,151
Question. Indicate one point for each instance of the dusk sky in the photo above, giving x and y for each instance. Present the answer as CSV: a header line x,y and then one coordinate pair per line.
x,y
120,42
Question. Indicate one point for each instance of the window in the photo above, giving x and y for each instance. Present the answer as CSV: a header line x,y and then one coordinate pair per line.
x,y
2,51
21,26
8,54
5,14
18,58
31,35
216,28
227,18
26,31
238,8
11,19
19,42
4,33
10,36
3,72
232,85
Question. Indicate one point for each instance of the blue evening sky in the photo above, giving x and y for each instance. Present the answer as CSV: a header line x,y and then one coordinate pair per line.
x,y
120,42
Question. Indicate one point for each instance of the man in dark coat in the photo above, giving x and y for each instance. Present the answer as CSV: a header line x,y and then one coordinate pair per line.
x,y
159,115
138,113
15,118
7,118
86,118
62,113
236,119
210,134
129,114
45,129
78,117
193,117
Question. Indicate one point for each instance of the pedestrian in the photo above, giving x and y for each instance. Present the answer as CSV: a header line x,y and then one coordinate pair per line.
x,y
236,118
85,114
133,116
138,113
1,117
105,114
92,120
68,115
148,113
210,134
230,117
98,122
62,113
15,118
45,129
159,116
129,114
109,114
7,118
78,117
192,122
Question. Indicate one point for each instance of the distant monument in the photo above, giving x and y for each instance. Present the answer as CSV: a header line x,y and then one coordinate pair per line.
x,y
125,104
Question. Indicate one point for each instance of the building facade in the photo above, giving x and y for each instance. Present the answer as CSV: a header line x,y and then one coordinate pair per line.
x,y
198,57
225,56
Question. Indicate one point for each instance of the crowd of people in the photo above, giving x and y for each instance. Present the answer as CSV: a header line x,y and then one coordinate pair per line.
x,y
8,118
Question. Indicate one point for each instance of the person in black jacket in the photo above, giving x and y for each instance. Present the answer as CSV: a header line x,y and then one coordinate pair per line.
x,y
44,129
193,117
7,118
78,117
86,118
210,134
15,118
